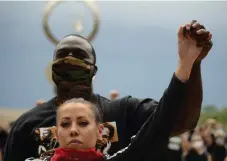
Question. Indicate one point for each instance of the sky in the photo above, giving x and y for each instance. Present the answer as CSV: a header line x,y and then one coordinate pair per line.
x,y
136,47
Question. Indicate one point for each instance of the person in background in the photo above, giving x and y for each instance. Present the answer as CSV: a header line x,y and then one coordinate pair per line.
x,y
173,150
196,148
114,94
39,102
209,140
219,152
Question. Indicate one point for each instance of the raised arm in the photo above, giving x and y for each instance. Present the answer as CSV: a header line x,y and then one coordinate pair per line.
x,y
155,132
199,46
162,115
194,43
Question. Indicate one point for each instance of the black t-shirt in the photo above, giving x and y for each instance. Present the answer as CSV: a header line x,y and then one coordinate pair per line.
x,y
210,148
29,136
219,153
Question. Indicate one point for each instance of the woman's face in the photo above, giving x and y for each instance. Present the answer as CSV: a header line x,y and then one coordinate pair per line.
x,y
208,138
76,127
197,141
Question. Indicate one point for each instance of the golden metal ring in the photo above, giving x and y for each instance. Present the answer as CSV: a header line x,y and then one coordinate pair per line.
x,y
49,9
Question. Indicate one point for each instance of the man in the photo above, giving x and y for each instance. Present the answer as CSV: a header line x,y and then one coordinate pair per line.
x,y
107,136
73,69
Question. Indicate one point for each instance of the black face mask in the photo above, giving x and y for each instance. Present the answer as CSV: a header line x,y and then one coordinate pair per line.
x,y
73,78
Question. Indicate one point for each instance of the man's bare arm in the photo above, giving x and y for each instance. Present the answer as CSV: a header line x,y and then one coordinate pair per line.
x,y
193,103
189,116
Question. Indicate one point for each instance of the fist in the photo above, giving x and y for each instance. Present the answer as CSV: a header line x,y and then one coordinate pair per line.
x,y
198,33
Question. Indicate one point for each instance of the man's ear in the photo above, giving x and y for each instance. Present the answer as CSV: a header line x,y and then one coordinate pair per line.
x,y
93,79
95,70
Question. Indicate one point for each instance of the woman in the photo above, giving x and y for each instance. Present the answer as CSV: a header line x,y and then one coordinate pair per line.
x,y
209,140
79,128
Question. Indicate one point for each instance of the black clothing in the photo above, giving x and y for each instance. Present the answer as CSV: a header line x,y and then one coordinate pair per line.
x,y
194,156
3,137
129,114
219,153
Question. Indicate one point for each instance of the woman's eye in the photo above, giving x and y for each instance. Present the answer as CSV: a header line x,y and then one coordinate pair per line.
x,y
83,123
65,124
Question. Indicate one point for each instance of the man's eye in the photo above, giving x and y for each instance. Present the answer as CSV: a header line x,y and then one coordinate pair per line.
x,y
62,55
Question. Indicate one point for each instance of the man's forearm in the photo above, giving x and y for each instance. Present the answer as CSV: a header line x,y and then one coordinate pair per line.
x,y
189,116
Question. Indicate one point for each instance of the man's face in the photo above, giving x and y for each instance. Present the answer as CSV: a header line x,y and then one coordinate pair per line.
x,y
76,47
105,135
72,69
197,142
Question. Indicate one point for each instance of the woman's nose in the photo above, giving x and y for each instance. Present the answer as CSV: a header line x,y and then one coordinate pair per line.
x,y
74,131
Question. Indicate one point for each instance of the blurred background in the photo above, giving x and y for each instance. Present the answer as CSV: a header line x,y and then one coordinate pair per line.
x,y
136,49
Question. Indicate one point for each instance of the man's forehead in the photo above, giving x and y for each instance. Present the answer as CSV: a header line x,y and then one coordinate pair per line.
x,y
105,131
75,42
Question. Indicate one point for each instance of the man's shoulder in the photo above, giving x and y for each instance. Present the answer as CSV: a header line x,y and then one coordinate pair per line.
x,y
126,101
34,115
101,99
133,101
105,102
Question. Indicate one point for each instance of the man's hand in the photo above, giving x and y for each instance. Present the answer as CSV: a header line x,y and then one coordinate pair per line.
x,y
194,43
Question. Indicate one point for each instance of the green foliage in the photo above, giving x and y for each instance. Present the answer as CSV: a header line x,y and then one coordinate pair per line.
x,y
212,111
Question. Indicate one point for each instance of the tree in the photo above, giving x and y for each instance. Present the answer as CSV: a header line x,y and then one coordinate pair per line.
x,y
212,111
